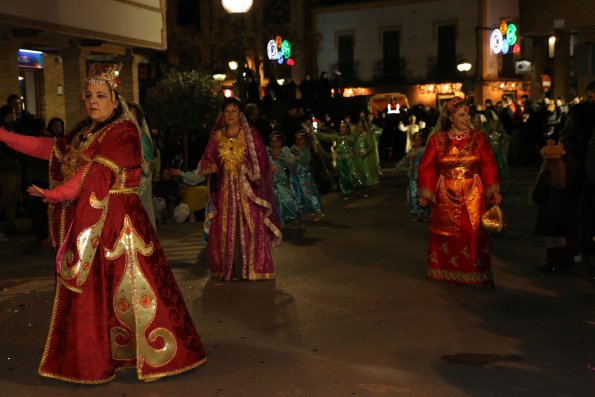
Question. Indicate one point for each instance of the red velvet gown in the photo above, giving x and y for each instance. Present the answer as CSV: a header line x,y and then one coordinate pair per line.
x,y
457,177
117,304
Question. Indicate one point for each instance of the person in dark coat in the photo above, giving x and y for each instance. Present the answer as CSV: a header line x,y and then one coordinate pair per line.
x,y
551,194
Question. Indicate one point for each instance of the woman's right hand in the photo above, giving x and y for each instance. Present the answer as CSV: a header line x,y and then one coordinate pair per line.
x,y
175,172
423,201
36,191
209,169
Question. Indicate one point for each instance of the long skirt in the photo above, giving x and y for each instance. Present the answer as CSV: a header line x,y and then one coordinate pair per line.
x,y
464,259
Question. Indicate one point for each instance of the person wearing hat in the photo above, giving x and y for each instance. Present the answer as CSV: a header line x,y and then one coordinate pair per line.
x,y
117,304
551,194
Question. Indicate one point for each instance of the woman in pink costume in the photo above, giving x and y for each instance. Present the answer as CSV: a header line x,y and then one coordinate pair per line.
x,y
242,222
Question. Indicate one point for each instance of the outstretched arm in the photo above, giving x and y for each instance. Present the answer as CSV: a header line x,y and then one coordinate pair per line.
x,y
70,190
39,147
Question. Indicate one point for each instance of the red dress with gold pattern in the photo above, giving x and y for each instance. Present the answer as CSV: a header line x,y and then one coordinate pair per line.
x,y
457,176
117,304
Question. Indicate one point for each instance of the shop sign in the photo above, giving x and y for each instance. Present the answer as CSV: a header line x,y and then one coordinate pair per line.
x,y
30,59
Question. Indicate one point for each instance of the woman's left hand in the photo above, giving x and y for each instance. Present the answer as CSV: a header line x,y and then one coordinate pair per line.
x,y
496,198
36,191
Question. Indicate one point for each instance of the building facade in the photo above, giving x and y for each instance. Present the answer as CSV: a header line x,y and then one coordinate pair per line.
x,y
220,37
46,48
415,46
561,46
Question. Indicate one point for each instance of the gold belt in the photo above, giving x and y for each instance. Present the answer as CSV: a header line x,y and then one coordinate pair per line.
x,y
125,190
459,174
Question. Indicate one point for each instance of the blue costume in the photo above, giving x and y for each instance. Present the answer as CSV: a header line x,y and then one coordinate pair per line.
x,y
287,204
411,163
302,181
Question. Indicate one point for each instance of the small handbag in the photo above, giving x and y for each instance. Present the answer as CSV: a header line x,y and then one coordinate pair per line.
x,y
492,220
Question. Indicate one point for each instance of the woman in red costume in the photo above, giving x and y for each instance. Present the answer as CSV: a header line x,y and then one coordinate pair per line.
x,y
117,304
457,176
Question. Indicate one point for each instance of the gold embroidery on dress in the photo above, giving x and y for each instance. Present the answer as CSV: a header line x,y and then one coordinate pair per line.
x,y
135,305
465,251
232,151
444,248
455,275
86,245
434,257
454,261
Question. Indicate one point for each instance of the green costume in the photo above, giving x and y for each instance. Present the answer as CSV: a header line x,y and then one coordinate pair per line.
x,y
349,178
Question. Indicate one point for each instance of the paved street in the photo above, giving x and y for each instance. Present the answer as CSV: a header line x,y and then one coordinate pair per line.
x,y
350,314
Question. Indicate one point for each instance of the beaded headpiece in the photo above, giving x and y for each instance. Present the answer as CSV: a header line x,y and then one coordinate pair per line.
x,y
105,73
300,133
552,151
454,103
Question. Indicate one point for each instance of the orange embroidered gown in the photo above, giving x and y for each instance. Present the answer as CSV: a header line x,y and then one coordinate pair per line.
x,y
457,177
117,304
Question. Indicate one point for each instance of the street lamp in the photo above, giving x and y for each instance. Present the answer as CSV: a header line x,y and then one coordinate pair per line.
x,y
464,66
239,7
219,76
233,65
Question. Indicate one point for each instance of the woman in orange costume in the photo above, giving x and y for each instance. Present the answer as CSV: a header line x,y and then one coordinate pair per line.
x,y
457,176
117,304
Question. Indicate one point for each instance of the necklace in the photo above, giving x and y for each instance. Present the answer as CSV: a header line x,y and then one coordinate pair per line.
x,y
231,137
458,135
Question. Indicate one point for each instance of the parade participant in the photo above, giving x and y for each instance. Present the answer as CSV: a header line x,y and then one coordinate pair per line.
x,y
410,129
117,304
500,142
456,175
282,160
243,222
145,190
302,180
349,179
551,193
410,163
364,157
369,121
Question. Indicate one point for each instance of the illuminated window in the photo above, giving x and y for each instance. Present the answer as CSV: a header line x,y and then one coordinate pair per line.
x,y
551,47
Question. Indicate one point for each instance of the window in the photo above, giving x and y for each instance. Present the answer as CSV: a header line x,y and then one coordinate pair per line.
x,y
447,51
276,12
345,64
391,57
188,13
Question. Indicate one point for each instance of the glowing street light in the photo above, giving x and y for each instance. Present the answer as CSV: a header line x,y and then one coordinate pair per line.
x,y
233,65
219,76
237,6
464,66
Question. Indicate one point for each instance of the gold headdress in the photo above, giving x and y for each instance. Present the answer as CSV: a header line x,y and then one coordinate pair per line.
x,y
105,73
454,103
552,151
